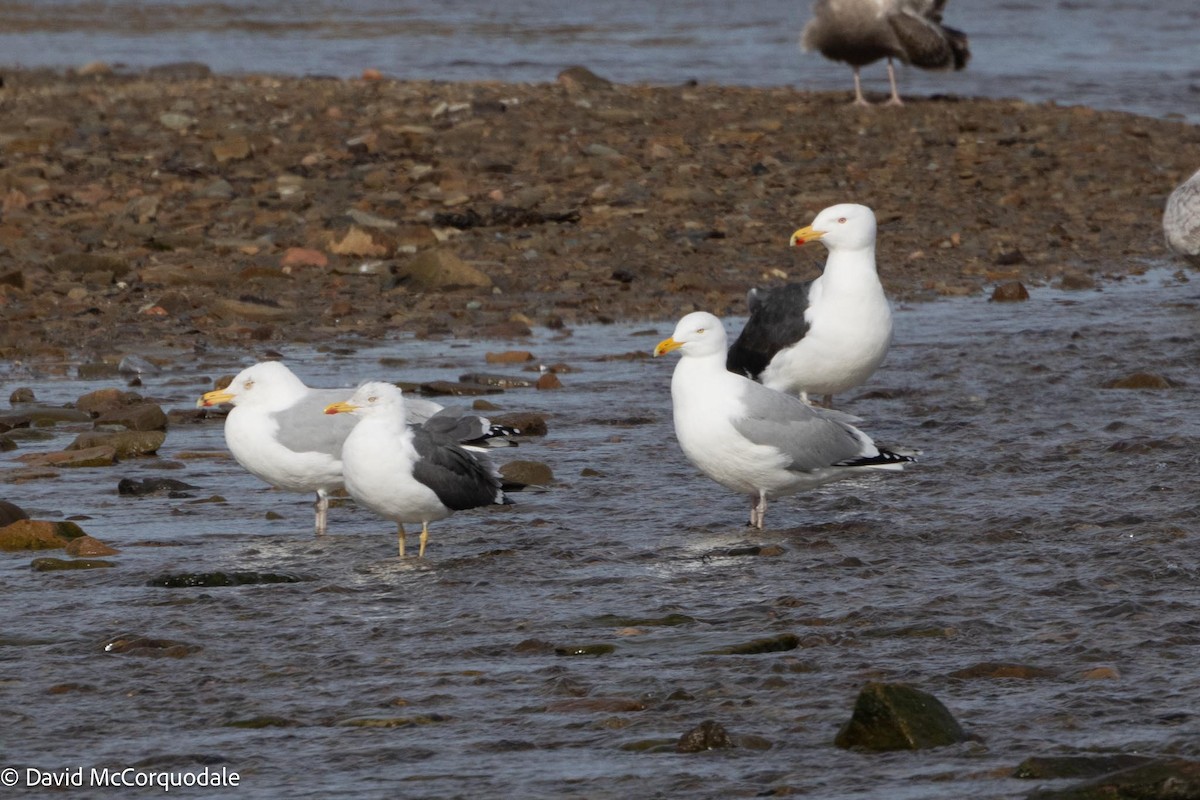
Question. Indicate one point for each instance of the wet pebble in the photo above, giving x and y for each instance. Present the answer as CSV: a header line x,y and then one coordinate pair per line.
x,y
767,644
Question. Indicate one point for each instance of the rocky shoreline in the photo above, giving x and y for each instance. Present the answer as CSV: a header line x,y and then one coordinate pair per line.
x,y
192,209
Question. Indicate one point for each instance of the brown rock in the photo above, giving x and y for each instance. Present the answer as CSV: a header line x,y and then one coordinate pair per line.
x,y
996,671
1101,674
529,473
102,400
1140,380
235,148
30,534
361,243
138,417
127,444
83,263
10,513
548,381
89,546
102,456
251,311
439,270
303,257
607,705
582,78
509,357
1013,291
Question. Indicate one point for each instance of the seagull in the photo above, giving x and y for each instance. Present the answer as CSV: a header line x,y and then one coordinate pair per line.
x,y
753,439
860,32
278,432
1181,219
409,473
826,335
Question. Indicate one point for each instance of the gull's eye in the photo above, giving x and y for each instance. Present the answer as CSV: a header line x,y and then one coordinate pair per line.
x,y
372,399
248,384
841,220
699,330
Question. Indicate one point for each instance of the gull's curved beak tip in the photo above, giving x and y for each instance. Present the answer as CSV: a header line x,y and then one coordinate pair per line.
x,y
804,235
666,346
339,408
214,398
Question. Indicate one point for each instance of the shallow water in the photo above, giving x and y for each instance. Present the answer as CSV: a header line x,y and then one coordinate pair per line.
x,y
1050,523
1133,55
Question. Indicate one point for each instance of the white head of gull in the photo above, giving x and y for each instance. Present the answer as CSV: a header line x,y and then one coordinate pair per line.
x,y
409,473
279,433
1181,219
826,335
754,440
860,32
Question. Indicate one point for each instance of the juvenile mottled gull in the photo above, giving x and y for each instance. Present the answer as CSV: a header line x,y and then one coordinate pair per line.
x,y
860,32
826,335
409,473
278,430
755,440
1181,219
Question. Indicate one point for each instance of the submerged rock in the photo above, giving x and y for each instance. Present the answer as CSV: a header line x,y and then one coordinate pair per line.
x,y
187,580
767,644
894,716
150,647
1141,380
1175,779
528,473
149,486
59,564
708,735
1058,767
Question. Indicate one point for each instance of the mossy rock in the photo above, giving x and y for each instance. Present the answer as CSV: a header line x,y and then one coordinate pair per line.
x,y
894,716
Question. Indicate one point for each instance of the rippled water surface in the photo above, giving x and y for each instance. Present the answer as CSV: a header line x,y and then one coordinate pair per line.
x,y
1135,55
1051,523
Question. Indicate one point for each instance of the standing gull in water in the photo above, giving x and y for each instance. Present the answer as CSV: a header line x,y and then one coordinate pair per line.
x,y
752,439
1181,219
279,433
860,32
826,335
409,473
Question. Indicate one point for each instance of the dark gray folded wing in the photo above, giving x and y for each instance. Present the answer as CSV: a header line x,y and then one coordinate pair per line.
x,y
460,479
776,321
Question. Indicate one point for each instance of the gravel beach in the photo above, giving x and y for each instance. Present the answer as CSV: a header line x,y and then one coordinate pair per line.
x,y
187,207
